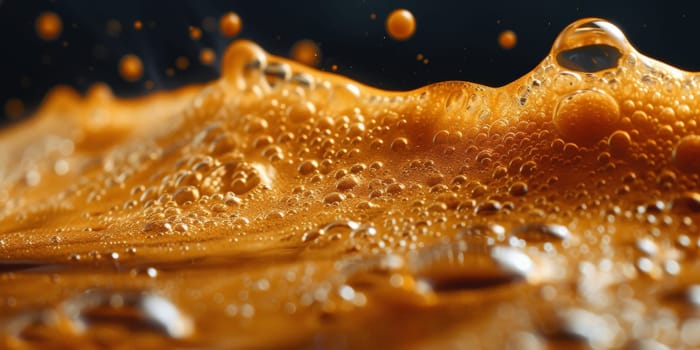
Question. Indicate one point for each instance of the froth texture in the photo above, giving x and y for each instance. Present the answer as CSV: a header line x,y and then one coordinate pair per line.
x,y
560,208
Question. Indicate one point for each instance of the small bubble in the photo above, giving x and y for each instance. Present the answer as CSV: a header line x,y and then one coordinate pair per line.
x,y
186,194
507,39
399,144
230,24
686,203
541,232
195,33
207,56
49,26
518,189
686,154
620,142
487,208
347,183
333,198
307,52
307,167
131,67
401,24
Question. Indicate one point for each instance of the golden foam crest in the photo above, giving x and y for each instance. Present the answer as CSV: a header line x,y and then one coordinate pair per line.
x,y
280,196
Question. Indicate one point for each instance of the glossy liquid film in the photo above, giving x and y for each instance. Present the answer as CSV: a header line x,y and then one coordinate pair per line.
x,y
559,210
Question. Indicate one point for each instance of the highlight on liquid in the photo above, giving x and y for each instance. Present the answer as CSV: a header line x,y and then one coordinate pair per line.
x,y
282,206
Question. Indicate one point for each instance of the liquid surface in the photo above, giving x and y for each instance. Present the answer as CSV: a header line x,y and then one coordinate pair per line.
x,y
281,206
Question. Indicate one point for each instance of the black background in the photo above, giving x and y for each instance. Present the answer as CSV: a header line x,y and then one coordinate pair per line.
x,y
458,37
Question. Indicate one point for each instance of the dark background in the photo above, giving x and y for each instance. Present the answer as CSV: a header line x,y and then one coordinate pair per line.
x,y
458,37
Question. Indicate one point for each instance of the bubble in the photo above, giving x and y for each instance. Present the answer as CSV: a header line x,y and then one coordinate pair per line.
x,y
620,142
686,154
49,26
541,232
195,33
686,203
333,198
489,207
276,73
400,24
518,189
507,39
230,24
207,56
186,194
301,112
399,144
14,108
307,52
130,67
458,266
586,116
182,63
133,311
347,183
590,45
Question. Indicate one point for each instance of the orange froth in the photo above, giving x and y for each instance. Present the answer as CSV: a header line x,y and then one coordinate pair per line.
x,y
559,210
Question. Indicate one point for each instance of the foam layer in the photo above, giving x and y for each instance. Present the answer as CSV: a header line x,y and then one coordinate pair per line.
x,y
561,208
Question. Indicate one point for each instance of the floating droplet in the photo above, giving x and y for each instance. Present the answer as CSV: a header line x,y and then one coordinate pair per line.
x,y
230,24
207,56
400,24
507,39
49,26
307,52
131,67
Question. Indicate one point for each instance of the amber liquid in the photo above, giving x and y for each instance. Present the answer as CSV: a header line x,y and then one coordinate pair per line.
x,y
283,207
